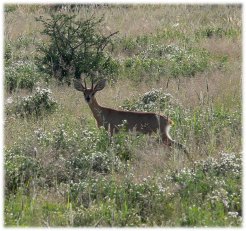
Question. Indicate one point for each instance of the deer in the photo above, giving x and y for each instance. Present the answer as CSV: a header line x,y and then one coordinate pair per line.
x,y
112,119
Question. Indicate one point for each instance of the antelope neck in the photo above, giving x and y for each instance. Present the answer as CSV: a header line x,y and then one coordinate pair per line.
x,y
95,108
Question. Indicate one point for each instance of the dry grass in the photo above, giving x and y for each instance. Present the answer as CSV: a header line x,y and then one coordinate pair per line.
x,y
134,20
221,47
218,88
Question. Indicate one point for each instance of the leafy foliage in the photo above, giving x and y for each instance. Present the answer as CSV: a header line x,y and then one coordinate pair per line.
x,y
152,101
37,104
213,181
218,32
21,75
206,193
75,46
75,155
20,167
169,60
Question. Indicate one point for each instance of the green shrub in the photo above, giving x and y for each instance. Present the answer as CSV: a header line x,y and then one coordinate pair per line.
x,y
131,203
189,62
217,32
21,75
206,121
123,143
37,104
131,45
21,49
215,184
170,61
153,101
91,149
80,152
7,52
21,167
10,8
75,46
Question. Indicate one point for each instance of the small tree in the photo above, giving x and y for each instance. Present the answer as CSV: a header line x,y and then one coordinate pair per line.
x,y
74,47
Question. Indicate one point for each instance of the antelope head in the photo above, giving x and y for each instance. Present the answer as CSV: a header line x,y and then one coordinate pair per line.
x,y
89,93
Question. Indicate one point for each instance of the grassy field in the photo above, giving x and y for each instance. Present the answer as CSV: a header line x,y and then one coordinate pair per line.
x,y
63,171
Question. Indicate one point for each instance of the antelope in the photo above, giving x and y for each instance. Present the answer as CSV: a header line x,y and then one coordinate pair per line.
x,y
111,119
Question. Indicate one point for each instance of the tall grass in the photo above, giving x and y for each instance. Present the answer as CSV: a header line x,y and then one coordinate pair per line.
x,y
61,170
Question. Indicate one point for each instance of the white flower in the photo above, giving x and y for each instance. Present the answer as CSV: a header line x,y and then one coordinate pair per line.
x,y
176,25
233,214
9,100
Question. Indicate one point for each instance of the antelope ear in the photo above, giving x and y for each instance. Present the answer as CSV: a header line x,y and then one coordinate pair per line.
x,y
100,85
78,85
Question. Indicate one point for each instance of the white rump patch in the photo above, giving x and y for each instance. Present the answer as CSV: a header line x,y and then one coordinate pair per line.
x,y
167,131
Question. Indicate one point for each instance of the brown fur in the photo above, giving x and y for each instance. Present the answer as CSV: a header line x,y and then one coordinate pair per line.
x,y
111,119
